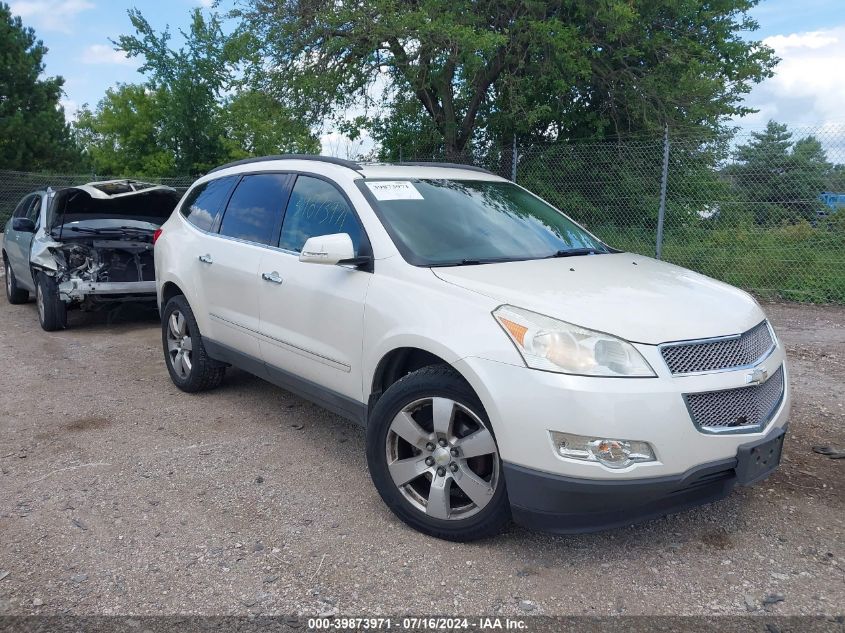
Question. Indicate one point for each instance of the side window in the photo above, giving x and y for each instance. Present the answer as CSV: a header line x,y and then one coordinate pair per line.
x,y
316,207
34,210
204,203
23,206
255,208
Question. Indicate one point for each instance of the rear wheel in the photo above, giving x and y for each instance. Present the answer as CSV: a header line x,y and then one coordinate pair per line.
x,y
434,459
187,361
14,294
52,311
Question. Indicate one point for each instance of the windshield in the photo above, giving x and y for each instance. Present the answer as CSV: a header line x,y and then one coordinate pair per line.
x,y
459,222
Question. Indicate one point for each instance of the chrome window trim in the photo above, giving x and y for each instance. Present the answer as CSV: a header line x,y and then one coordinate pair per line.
x,y
718,339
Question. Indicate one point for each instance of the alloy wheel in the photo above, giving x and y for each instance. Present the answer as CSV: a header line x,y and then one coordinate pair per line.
x,y
8,272
442,458
179,346
39,301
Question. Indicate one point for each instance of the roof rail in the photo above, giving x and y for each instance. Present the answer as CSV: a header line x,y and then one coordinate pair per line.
x,y
323,159
449,165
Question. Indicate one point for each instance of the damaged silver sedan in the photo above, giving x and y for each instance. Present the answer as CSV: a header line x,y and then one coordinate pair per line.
x,y
84,247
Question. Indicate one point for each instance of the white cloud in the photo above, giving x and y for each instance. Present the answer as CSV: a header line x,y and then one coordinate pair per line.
x,y
207,4
806,89
810,39
50,15
71,108
102,54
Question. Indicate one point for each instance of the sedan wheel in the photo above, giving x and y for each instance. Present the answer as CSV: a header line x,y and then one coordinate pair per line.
x,y
14,294
179,344
39,301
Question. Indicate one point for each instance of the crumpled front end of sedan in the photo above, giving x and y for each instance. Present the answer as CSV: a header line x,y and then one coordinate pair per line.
x,y
98,241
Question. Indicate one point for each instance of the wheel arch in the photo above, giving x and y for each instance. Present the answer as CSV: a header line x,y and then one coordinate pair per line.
x,y
169,290
400,361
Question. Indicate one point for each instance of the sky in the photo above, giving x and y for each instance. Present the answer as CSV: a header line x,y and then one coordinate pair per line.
x,y
807,91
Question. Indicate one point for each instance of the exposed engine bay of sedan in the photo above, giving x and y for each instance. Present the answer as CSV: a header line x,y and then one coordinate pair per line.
x,y
98,242
105,266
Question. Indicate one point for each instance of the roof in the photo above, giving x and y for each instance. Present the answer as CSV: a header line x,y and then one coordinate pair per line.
x,y
427,170
376,170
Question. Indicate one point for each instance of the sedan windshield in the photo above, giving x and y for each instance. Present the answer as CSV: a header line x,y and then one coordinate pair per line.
x,y
461,222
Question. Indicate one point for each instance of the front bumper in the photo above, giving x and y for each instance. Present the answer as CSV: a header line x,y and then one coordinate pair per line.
x,y
525,404
566,505
77,289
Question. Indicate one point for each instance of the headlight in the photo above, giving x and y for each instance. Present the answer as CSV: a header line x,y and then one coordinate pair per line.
x,y
611,453
552,345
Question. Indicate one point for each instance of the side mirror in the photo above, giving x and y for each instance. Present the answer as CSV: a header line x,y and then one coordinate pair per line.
x,y
328,249
23,225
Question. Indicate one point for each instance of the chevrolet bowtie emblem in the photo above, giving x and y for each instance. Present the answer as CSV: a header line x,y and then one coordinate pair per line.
x,y
757,377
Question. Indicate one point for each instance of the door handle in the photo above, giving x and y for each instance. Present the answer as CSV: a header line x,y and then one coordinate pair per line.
x,y
272,277
206,259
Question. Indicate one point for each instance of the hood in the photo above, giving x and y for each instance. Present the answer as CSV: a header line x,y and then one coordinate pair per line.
x,y
634,297
113,199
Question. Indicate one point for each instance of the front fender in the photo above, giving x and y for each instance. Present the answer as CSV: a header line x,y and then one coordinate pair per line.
x,y
40,255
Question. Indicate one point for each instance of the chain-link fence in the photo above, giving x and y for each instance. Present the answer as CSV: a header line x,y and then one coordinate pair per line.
x,y
764,211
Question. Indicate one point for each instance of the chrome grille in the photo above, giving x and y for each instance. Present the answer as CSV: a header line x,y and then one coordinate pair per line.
x,y
736,409
719,353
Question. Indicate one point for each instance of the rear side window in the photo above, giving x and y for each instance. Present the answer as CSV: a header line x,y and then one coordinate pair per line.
x,y
255,208
316,207
23,205
34,210
204,203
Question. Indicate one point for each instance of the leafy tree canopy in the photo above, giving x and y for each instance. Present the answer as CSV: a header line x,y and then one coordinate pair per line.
x,y
33,132
187,116
468,71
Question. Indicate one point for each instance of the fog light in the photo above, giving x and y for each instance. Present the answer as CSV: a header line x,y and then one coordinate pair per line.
x,y
611,453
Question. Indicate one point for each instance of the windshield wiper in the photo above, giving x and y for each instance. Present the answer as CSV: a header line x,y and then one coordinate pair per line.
x,y
467,262
574,252
116,230
83,229
137,229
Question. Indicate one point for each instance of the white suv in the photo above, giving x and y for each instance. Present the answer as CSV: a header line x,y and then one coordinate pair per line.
x,y
504,361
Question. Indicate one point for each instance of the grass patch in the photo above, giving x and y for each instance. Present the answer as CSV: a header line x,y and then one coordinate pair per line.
x,y
796,262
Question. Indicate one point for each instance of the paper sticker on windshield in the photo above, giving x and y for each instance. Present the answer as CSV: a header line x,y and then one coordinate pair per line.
x,y
394,190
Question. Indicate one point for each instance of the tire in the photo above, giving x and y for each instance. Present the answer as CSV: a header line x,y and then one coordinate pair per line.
x,y
454,492
189,365
52,311
14,294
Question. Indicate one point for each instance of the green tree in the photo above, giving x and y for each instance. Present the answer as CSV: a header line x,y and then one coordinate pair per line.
x,y
122,135
256,124
476,72
33,131
777,179
189,82
185,118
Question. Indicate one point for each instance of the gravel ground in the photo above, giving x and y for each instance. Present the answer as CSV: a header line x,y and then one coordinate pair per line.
x,y
121,495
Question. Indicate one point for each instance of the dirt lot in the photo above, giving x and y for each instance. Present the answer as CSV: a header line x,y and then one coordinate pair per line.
x,y
121,495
